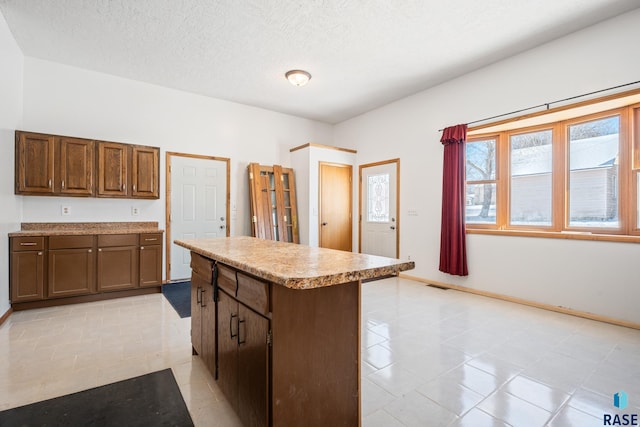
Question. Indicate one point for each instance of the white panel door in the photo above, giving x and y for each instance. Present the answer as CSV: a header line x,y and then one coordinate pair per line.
x,y
379,227
198,206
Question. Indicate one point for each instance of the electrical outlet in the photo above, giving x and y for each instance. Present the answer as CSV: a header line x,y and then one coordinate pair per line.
x,y
65,210
135,211
412,212
409,258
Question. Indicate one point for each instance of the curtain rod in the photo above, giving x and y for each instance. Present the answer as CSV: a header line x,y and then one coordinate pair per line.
x,y
547,104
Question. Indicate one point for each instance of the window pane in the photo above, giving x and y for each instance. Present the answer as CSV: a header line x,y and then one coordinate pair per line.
x,y
378,198
481,160
638,200
481,204
593,176
531,186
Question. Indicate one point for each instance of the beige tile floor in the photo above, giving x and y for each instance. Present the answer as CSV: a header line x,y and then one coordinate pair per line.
x,y
430,358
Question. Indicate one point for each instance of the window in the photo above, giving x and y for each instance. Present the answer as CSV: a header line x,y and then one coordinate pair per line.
x,y
481,182
378,203
575,178
531,166
593,165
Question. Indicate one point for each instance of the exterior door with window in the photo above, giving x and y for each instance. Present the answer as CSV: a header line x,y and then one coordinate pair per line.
x,y
378,209
198,194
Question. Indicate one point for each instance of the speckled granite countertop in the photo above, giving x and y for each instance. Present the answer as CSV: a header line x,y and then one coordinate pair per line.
x,y
292,265
84,228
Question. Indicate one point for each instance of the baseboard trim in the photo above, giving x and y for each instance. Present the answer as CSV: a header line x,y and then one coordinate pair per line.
x,y
6,315
558,309
53,302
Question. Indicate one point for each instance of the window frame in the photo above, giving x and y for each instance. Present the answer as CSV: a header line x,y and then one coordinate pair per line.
x,y
495,181
627,180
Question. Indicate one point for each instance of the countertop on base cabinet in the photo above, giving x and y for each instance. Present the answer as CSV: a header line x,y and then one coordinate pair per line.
x,y
298,309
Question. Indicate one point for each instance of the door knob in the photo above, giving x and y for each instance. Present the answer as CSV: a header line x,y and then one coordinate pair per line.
x,y
221,218
325,223
392,227
221,227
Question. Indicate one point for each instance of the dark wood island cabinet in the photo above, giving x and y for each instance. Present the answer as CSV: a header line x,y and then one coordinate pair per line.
x,y
286,326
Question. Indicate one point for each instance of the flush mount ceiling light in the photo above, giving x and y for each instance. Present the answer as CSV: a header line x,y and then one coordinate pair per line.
x,y
298,77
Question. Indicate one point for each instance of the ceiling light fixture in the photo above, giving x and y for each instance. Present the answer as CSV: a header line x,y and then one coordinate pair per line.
x,y
298,77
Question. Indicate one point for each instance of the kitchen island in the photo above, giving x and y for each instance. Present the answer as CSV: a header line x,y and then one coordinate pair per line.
x,y
278,325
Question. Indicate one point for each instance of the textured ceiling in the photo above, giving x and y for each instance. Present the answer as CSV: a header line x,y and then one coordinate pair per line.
x,y
361,53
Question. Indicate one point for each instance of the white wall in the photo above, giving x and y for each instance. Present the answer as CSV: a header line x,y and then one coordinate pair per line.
x,y
596,277
10,119
306,167
69,101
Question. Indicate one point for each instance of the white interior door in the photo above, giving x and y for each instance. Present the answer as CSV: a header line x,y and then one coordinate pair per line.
x,y
198,206
379,220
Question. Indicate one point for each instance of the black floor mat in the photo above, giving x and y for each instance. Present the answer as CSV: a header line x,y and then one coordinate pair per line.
x,y
179,295
149,400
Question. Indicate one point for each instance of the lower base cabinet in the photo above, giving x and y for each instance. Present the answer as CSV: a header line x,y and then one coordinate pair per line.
x,y
72,261
46,269
27,274
243,359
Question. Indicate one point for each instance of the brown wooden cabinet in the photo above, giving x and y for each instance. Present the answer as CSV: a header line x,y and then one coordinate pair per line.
x,y
117,262
203,311
243,345
113,169
55,165
35,159
144,172
150,259
128,170
52,165
27,269
82,266
71,266
74,168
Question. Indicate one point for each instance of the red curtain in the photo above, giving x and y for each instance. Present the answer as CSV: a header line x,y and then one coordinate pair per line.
x,y
453,247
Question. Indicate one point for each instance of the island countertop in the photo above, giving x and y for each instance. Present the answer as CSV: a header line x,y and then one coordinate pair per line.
x,y
292,265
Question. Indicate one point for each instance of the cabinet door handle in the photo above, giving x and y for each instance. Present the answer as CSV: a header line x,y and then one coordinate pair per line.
x,y
100,250
202,304
141,248
49,183
39,253
198,296
134,187
240,341
231,326
63,184
122,187
90,250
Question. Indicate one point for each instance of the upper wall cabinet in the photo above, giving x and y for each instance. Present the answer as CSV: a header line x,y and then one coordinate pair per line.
x,y
34,163
62,166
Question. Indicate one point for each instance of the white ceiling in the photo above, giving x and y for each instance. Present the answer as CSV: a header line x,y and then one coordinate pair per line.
x,y
362,54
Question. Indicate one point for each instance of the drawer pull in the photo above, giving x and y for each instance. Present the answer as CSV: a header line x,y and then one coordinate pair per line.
x,y
150,240
28,244
39,253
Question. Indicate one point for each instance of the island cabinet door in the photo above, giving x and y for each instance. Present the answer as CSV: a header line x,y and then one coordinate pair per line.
x,y
228,347
196,315
253,363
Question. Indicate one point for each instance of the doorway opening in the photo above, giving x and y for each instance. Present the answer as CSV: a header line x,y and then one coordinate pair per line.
x,y
197,205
